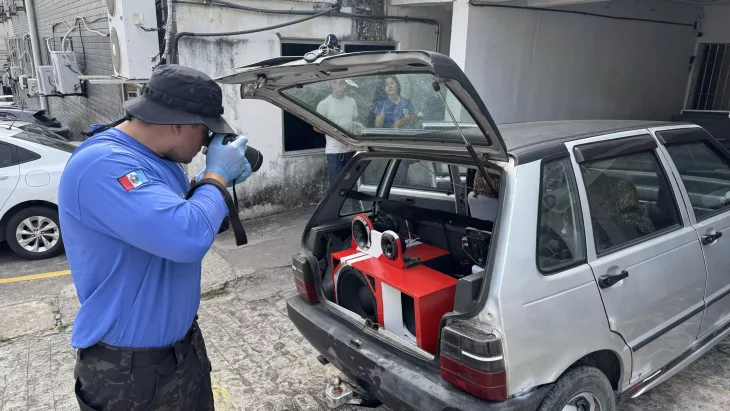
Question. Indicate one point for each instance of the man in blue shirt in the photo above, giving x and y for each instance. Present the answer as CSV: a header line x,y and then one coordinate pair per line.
x,y
135,244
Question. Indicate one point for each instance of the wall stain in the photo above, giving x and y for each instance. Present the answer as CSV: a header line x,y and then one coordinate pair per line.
x,y
290,183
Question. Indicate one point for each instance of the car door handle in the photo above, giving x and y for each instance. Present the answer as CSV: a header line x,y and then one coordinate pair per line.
x,y
3,177
407,200
606,281
711,238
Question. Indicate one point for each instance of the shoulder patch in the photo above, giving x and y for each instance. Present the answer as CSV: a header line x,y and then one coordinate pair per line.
x,y
133,180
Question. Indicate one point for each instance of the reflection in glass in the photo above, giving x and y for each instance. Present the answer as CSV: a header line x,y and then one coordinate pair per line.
x,y
393,106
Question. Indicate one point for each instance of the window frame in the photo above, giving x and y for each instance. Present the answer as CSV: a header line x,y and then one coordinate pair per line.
x,y
614,142
688,135
573,183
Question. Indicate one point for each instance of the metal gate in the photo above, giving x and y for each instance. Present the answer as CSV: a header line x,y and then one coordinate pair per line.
x,y
711,90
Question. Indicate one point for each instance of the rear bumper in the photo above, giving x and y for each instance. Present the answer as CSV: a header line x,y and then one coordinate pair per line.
x,y
398,381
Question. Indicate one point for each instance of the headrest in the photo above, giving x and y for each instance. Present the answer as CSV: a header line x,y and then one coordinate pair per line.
x,y
626,196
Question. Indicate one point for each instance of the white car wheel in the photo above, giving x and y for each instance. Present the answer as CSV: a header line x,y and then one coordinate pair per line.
x,y
33,233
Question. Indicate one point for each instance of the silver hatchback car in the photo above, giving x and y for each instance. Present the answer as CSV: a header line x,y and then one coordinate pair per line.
x,y
460,265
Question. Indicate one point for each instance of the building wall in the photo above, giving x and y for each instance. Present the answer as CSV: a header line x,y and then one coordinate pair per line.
x,y
285,179
103,104
539,65
716,25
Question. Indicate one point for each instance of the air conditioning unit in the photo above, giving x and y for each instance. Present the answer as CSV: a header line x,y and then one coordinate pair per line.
x,y
46,80
33,87
134,51
23,81
66,72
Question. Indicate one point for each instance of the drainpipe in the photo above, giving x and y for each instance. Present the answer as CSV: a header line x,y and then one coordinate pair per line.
x,y
35,44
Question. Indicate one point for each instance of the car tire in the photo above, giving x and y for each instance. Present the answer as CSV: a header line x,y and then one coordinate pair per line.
x,y
580,386
39,223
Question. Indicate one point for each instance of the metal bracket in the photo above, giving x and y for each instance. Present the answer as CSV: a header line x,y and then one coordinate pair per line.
x,y
84,92
341,393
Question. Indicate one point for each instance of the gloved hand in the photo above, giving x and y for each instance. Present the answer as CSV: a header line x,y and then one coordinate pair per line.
x,y
229,160
242,177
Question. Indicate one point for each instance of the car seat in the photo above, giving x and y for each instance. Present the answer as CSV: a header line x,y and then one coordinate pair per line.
x,y
616,215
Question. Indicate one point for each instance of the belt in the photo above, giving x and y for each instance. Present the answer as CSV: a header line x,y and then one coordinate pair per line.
x,y
138,357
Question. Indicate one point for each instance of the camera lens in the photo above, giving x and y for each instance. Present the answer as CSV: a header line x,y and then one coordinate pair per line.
x,y
255,158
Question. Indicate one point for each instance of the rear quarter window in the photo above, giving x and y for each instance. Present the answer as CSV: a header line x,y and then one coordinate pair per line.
x,y
560,238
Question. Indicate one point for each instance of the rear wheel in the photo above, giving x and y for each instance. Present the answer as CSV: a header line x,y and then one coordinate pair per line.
x,y
582,388
34,234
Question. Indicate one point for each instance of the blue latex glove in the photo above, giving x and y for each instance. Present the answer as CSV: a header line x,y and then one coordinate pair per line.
x,y
242,177
229,160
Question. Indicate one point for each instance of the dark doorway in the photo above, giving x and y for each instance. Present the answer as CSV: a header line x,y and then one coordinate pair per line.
x,y
298,135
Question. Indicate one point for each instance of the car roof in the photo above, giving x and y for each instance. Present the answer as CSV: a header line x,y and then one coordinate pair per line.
x,y
532,141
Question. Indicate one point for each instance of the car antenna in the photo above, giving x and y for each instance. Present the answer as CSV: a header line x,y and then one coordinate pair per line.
x,y
469,148
22,108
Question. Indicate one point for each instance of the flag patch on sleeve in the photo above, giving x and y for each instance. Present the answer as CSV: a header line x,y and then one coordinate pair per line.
x,y
133,180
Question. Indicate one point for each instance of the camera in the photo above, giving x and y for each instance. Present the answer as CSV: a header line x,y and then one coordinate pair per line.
x,y
254,157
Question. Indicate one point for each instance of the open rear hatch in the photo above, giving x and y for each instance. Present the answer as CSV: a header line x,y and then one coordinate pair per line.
x,y
426,81
403,101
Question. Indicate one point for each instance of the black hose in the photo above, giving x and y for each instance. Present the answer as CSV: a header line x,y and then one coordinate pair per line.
x,y
177,37
259,10
605,16
222,3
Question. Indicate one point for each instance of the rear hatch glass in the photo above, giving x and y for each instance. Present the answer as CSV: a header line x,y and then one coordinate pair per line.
x,y
413,100
388,107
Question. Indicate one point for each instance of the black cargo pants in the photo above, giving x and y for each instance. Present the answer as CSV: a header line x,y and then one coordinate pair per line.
x,y
172,378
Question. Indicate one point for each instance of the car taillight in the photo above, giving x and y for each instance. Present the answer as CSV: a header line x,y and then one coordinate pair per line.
x,y
472,360
304,278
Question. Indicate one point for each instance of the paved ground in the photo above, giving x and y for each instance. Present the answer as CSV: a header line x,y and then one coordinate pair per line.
x,y
260,362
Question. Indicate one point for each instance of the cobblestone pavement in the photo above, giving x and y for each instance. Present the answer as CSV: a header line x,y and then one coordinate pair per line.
x,y
260,361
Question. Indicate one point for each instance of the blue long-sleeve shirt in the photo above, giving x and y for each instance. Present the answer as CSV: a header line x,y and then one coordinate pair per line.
x,y
134,244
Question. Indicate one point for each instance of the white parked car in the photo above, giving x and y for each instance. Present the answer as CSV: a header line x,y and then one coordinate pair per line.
x,y
31,164
6,100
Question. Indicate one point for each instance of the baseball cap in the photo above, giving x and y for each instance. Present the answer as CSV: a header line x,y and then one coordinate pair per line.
x,y
177,94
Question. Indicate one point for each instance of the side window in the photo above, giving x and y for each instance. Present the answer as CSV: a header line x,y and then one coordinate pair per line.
x,y
560,241
629,197
6,156
423,175
705,174
25,156
367,184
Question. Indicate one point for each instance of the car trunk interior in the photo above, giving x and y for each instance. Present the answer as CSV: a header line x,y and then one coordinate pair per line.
x,y
402,251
